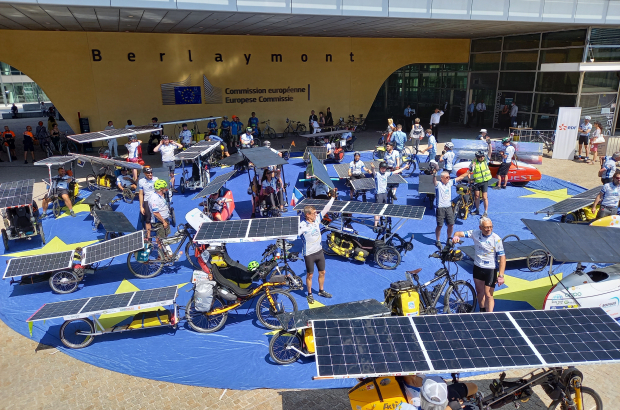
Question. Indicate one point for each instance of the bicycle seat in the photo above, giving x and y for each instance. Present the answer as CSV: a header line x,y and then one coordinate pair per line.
x,y
217,276
413,272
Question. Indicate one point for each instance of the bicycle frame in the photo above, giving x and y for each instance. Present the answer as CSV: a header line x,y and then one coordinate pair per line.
x,y
424,293
240,301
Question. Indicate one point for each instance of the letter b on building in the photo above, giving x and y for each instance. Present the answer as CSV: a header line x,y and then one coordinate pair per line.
x,y
96,54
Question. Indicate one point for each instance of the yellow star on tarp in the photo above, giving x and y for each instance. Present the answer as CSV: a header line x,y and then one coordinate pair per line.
x,y
521,290
111,319
55,245
556,196
77,208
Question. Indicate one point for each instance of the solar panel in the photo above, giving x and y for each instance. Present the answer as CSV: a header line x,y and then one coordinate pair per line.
x,y
215,184
319,171
363,184
104,196
514,250
73,309
32,265
196,151
365,208
460,343
116,133
16,193
426,185
192,120
589,194
248,230
325,134
263,157
342,170
114,221
105,161
572,204
113,247
55,161
319,152
576,244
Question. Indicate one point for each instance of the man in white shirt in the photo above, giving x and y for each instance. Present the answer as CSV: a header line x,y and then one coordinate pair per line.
x,y
146,188
481,108
584,137
167,147
329,147
444,211
502,172
112,142
514,110
133,152
125,181
185,136
247,139
435,117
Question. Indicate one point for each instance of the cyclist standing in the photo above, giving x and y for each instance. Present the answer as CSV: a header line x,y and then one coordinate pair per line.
x,y
608,198
159,209
185,136
444,211
247,139
9,140
146,188
381,178
431,148
225,127
479,168
28,144
488,246
167,147
502,173
253,121
392,159
416,134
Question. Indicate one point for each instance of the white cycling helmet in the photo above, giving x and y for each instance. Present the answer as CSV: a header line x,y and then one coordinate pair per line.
x,y
449,145
588,117
266,144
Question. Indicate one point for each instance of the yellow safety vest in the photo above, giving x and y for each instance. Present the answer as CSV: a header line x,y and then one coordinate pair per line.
x,y
481,172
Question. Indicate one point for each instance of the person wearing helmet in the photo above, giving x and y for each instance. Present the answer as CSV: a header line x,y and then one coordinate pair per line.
x,y
381,182
247,139
133,151
357,170
479,170
160,212
584,137
448,157
167,148
266,144
483,134
507,155
125,181
146,189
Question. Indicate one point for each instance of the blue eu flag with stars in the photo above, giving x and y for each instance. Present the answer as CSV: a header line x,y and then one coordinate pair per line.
x,y
187,95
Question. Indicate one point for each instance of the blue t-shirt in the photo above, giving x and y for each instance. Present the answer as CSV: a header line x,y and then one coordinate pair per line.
x,y
586,128
610,167
253,122
233,128
381,181
212,125
611,195
432,147
399,139
225,124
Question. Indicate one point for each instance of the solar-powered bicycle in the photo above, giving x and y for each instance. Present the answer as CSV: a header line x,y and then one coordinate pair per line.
x,y
19,212
196,155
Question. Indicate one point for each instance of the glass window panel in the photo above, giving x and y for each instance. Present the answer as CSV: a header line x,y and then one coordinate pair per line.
x,y
486,44
5,69
395,79
606,54
564,38
522,42
597,82
430,95
430,67
568,55
430,80
597,101
484,62
485,81
455,67
523,100
517,81
551,103
411,96
520,60
558,82
544,122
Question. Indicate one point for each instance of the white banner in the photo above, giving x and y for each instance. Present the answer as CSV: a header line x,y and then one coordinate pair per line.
x,y
566,133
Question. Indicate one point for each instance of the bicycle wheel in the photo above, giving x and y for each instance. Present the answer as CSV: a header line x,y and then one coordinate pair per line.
x,y
65,281
286,132
91,182
149,269
69,333
173,217
128,195
460,298
301,129
203,322
537,260
387,257
271,134
190,254
590,400
182,185
278,347
71,147
56,208
266,314
460,211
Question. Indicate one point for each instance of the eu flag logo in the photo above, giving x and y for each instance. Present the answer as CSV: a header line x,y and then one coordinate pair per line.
x,y
187,95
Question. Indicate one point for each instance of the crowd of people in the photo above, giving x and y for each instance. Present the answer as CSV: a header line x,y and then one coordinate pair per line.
x,y
42,135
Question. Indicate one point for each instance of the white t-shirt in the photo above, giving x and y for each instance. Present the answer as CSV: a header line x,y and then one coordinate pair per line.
x,y
185,136
444,194
147,187
391,158
158,204
310,233
167,152
356,167
448,160
245,138
124,180
132,149
510,152
486,248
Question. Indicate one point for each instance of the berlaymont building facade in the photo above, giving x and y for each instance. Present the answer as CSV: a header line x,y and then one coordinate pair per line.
x,y
120,59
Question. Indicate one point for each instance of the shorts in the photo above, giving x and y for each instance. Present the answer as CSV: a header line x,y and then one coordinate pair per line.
x,y
146,218
584,139
482,187
169,164
317,258
446,214
11,144
487,275
357,176
503,169
457,391
606,211
61,192
28,146
594,148
381,198
605,180
161,231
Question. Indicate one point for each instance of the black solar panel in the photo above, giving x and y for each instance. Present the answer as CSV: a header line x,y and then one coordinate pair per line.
x,y
16,193
55,161
576,244
514,250
197,150
589,194
350,310
325,134
73,309
365,208
319,204
104,196
345,348
187,155
363,184
426,185
114,221
319,171
263,157
467,342
248,230
113,247
32,265
342,170
215,184
116,133
566,206
186,121
105,161
319,152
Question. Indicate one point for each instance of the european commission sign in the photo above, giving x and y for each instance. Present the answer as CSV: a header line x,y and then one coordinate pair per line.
x,y
187,95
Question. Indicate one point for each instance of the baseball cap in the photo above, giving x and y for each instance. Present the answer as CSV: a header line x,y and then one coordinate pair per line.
x,y
165,137
434,391
483,130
